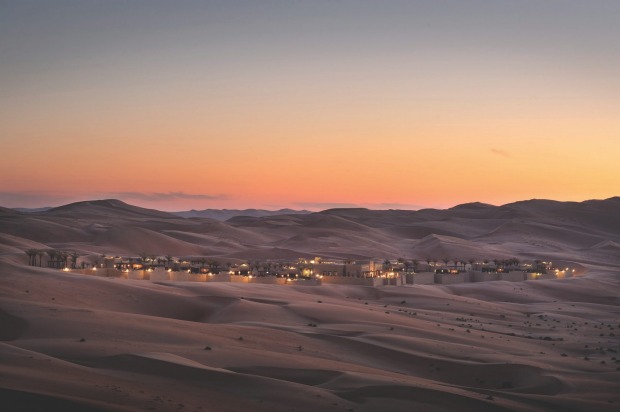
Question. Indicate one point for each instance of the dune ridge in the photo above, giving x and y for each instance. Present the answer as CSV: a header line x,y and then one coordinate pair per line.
x,y
76,342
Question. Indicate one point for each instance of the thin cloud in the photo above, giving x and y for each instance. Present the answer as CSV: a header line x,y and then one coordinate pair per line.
x,y
326,205
501,153
160,196
400,206
46,199
335,205
33,199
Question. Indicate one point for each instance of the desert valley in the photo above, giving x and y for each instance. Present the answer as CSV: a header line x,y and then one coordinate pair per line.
x,y
74,341
310,205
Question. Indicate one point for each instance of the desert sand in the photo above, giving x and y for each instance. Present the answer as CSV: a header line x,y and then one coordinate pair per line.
x,y
73,342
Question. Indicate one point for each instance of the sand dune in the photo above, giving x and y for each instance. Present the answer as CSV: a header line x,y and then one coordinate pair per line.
x,y
76,342
519,228
247,347
439,246
138,240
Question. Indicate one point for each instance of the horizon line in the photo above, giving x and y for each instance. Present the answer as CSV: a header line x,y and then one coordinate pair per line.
x,y
335,205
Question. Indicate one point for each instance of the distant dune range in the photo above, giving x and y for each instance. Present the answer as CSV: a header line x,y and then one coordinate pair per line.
x,y
225,214
85,343
529,229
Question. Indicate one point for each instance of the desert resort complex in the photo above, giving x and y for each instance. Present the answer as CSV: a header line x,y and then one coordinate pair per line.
x,y
310,272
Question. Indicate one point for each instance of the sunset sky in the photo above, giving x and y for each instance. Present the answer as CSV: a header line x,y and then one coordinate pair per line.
x,y
308,104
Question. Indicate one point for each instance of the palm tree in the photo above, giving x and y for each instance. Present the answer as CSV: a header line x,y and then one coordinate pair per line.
x,y
52,257
215,265
40,254
143,258
74,257
32,253
445,261
407,265
255,266
415,263
471,262
63,257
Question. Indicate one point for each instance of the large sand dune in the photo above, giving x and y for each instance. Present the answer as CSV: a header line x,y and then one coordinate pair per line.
x,y
75,342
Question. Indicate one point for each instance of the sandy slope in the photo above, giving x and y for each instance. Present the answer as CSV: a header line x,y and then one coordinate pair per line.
x,y
74,342
89,343
529,229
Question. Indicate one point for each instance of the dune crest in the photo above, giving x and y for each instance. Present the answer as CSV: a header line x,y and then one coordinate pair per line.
x,y
78,342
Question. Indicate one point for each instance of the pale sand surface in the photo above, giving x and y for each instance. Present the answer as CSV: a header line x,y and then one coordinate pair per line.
x,y
98,343
73,342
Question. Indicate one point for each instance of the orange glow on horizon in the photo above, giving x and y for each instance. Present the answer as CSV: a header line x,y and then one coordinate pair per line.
x,y
266,115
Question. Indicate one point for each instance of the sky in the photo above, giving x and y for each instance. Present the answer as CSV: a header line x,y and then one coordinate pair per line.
x,y
308,104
